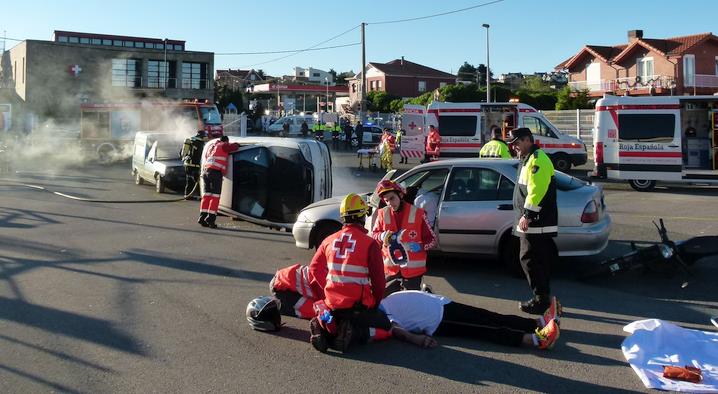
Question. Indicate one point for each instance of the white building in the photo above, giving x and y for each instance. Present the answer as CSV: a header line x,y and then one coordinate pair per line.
x,y
314,75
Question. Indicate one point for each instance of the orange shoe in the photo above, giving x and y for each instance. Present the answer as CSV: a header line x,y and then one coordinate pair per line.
x,y
553,312
547,336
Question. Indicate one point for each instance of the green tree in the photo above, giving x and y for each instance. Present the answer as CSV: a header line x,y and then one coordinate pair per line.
x,y
223,95
467,72
568,99
380,101
343,77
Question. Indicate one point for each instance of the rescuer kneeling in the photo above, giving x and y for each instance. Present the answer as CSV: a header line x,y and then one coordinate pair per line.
x,y
348,280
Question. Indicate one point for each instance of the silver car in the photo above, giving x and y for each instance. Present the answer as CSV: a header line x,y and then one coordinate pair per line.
x,y
473,205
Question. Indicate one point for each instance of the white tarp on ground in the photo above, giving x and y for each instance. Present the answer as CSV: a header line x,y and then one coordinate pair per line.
x,y
655,343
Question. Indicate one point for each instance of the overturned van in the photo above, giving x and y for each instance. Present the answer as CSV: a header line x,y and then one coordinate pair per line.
x,y
270,180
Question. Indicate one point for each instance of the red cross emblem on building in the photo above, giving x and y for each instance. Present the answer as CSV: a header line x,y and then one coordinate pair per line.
x,y
412,125
75,70
343,246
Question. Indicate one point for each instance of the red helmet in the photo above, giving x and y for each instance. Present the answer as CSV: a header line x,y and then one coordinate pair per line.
x,y
388,186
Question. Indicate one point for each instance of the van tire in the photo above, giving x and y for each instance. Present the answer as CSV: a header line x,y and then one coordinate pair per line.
x,y
138,178
323,230
561,162
509,255
642,185
159,184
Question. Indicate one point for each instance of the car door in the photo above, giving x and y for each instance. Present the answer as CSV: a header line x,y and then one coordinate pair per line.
x,y
147,170
476,205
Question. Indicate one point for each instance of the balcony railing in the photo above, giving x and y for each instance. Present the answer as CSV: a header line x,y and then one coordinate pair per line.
x,y
162,83
702,81
625,83
604,85
643,82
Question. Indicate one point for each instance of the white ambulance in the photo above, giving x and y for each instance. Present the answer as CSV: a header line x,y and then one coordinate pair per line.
x,y
645,140
465,127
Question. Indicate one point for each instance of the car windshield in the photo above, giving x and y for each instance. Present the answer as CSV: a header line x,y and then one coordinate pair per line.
x,y
210,115
564,181
168,149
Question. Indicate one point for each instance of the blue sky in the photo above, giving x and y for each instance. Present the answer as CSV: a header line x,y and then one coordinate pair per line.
x,y
526,36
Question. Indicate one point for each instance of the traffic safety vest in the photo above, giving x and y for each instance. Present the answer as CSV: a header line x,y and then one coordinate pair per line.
x,y
347,254
216,156
495,148
296,278
400,256
535,194
390,140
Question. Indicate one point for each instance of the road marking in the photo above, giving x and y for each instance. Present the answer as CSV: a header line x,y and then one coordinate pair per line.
x,y
664,217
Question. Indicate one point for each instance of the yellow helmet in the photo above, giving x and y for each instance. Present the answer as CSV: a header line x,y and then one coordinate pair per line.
x,y
353,205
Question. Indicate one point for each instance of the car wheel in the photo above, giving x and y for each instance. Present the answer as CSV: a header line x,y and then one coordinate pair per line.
x,y
138,178
509,255
159,184
642,185
324,230
561,162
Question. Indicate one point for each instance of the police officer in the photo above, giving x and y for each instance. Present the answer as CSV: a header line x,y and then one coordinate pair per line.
x,y
496,147
191,158
536,218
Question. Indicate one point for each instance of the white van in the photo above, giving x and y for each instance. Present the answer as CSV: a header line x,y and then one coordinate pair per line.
x,y
269,180
295,124
465,127
645,140
156,160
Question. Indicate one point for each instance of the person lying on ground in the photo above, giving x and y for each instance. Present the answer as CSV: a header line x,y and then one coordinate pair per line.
x,y
417,316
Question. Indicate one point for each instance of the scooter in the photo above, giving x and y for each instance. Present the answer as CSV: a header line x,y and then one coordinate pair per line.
x,y
667,253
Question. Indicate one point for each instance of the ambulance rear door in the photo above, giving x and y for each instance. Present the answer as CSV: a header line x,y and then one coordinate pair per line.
x,y
412,121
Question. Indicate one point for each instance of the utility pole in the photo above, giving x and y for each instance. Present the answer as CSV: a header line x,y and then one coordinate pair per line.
x,y
488,68
363,74
166,70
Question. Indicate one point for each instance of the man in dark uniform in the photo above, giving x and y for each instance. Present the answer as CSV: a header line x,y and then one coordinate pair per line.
x,y
191,158
536,217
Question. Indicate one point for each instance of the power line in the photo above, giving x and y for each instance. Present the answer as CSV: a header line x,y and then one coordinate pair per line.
x,y
287,51
303,50
435,15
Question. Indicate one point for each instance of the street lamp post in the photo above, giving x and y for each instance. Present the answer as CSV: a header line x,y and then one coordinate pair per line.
x,y
326,80
488,68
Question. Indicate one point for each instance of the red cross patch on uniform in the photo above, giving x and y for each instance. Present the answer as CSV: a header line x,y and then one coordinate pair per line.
x,y
412,234
343,246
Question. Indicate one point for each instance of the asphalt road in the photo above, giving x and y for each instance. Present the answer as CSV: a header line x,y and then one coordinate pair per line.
x,y
139,298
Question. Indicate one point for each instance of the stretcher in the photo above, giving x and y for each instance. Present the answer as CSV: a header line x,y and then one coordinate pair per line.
x,y
370,155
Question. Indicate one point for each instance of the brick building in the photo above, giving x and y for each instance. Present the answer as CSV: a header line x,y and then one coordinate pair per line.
x,y
52,78
400,78
647,66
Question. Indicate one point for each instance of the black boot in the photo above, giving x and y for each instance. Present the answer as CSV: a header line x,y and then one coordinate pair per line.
x,y
211,218
203,219
536,306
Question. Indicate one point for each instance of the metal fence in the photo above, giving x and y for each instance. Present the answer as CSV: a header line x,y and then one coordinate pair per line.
x,y
576,122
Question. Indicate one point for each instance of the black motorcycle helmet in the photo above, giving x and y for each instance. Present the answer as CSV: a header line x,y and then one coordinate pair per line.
x,y
263,314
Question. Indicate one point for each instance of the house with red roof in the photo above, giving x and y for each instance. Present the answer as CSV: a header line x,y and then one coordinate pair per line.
x,y
685,65
400,78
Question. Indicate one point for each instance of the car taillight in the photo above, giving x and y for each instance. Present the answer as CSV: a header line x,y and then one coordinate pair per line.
x,y
598,152
590,213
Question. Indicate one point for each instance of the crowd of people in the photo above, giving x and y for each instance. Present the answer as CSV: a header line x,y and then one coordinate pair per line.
x,y
363,286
